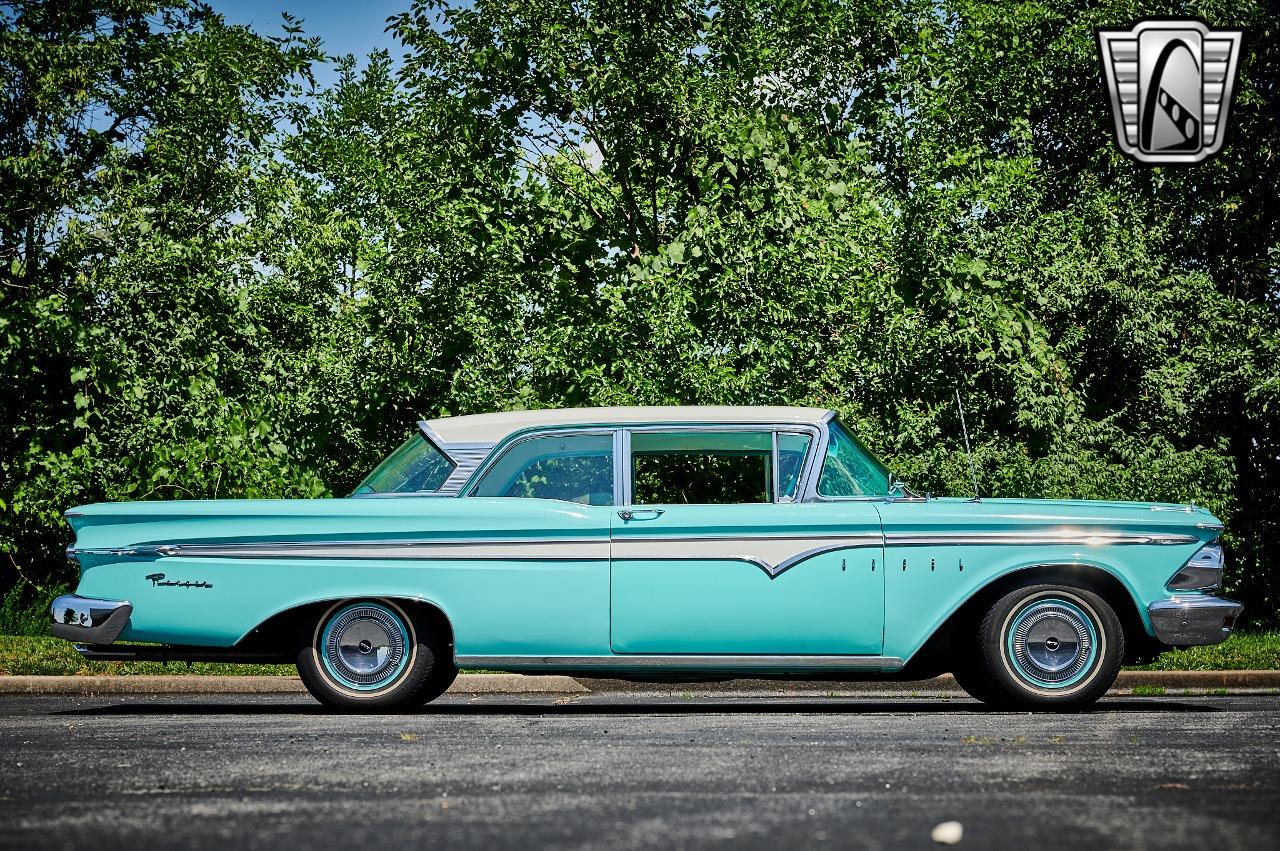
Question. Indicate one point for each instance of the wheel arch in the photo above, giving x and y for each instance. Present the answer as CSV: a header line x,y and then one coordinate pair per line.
x,y
938,648
281,629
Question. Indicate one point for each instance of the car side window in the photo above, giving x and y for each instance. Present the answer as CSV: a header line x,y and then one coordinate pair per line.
x,y
793,448
701,467
574,468
849,469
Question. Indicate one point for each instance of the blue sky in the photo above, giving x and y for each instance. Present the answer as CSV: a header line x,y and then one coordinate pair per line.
x,y
345,27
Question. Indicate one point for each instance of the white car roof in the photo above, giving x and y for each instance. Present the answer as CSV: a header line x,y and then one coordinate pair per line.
x,y
491,428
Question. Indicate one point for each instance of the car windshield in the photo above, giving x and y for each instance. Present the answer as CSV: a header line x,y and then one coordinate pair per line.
x,y
850,469
416,467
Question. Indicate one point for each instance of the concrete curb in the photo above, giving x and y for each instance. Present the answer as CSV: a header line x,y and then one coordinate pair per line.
x,y
523,684
197,684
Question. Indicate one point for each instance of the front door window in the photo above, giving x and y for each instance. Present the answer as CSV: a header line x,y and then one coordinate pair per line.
x,y
701,468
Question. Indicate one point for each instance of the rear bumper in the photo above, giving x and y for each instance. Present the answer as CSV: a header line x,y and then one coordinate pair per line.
x,y
89,620
1194,619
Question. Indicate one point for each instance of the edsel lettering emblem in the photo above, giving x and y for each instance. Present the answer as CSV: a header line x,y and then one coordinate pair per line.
x,y
1170,83
158,581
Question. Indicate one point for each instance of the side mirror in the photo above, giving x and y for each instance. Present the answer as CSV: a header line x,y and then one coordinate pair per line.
x,y
897,489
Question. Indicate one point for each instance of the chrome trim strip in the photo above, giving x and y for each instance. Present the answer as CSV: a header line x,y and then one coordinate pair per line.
x,y
856,539
580,549
687,663
1212,527
435,439
751,560
74,553
1066,536
509,548
570,549
773,555
786,565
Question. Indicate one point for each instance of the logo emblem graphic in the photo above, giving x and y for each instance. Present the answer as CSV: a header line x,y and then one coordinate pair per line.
x,y
1170,83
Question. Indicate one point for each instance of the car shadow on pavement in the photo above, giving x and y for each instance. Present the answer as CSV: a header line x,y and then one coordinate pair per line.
x,y
573,706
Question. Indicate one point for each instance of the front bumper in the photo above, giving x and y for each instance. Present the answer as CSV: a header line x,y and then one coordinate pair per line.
x,y
89,620
1194,619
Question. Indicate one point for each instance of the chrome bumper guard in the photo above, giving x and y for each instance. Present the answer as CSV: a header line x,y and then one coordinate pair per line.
x,y
1194,619
89,620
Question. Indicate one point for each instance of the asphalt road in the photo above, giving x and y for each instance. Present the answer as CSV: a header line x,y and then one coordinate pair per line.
x,y
636,771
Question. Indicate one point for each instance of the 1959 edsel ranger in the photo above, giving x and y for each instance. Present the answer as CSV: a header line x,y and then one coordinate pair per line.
x,y
648,543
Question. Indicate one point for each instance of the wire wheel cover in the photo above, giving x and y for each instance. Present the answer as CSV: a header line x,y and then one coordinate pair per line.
x,y
1052,643
364,646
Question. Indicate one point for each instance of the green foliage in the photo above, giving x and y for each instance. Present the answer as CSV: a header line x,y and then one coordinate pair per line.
x,y
27,613
216,280
1243,651
44,656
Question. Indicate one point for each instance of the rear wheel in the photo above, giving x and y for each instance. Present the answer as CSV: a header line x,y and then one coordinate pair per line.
x,y
370,655
1045,646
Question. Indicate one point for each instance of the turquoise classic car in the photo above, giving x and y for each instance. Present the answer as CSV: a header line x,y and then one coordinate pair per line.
x,y
661,543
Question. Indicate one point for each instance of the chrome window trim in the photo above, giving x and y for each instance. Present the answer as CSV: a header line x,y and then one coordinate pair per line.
x,y
622,450
775,485
814,432
798,492
622,467
813,467
435,439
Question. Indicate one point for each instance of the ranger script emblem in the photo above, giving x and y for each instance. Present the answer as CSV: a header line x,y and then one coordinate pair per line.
x,y
1170,83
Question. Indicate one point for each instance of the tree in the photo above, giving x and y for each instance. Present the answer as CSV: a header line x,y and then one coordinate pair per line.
x,y
131,135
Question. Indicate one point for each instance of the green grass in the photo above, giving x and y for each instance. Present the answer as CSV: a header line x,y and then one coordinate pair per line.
x,y
1247,651
1148,691
20,654
23,654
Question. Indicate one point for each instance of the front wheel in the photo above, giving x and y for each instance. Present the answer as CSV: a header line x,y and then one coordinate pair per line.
x,y
369,655
1047,647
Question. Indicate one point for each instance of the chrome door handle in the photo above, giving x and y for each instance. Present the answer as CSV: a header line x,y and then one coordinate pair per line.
x,y
640,513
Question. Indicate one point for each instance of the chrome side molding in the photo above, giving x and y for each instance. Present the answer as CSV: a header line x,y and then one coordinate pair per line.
x,y
1083,537
726,664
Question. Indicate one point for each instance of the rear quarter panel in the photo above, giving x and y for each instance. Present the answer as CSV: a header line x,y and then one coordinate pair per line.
x,y
523,603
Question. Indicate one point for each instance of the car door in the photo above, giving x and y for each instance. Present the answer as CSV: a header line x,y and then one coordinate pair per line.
x,y
538,585
709,556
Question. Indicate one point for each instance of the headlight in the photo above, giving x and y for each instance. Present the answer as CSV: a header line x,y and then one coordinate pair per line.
x,y
1203,572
